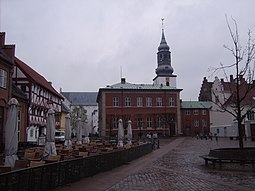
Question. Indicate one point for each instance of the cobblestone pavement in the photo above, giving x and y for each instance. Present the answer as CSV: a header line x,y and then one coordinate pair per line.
x,y
182,169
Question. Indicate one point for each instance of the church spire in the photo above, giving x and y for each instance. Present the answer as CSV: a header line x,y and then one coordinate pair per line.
x,y
163,44
164,70
164,57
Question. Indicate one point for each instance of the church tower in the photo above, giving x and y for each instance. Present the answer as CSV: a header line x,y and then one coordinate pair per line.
x,y
164,70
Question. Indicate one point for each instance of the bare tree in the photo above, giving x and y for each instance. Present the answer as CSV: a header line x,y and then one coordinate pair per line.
x,y
240,100
78,112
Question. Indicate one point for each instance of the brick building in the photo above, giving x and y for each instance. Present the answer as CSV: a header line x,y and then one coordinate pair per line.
x,y
195,117
6,68
152,108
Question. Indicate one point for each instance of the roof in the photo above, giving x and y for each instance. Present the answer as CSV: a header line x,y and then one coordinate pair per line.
x,y
196,104
35,77
65,108
81,98
129,86
246,95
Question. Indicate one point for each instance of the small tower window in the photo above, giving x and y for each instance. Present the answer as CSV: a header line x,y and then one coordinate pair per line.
x,y
160,57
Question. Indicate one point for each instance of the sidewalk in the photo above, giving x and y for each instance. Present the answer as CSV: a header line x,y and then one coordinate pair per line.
x,y
175,166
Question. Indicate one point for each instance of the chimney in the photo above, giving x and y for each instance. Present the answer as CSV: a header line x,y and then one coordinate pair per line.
x,y
222,80
2,39
123,80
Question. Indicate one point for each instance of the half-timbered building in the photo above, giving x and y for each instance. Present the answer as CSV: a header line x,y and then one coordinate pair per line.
x,y
41,96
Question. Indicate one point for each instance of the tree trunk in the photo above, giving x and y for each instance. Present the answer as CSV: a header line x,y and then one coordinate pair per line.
x,y
240,132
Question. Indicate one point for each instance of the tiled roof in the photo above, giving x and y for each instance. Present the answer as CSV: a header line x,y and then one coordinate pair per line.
x,y
130,86
196,104
81,98
35,77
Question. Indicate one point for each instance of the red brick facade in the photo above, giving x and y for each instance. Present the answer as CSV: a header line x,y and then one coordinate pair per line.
x,y
195,120
162,116
6,69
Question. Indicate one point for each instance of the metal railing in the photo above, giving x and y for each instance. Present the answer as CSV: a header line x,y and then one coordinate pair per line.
x,y
52,175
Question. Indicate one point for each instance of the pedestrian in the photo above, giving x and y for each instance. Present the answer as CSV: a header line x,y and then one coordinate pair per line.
x,y
216,137
210,136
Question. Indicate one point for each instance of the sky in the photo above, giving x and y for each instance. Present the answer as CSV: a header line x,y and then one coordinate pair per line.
x,y
84,45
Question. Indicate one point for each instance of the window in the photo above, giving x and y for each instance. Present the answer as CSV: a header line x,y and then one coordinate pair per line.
x,y
127,101
195,112
31,134
171,102
250,115
149,123
115,122
159,101
116,102
196,123
159,122
3,78
139,102
140,123
187,112
203,112
204,124
148,101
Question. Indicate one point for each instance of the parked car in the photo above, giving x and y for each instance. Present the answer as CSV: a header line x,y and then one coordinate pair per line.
x,y
59,136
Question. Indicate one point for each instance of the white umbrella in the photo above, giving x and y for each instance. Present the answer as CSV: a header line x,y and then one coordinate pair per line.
x,y
120,133
68,142
86,132
11,134
50,147
78,131
129,132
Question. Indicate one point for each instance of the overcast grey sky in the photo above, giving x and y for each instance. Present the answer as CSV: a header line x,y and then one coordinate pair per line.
x,y
80,45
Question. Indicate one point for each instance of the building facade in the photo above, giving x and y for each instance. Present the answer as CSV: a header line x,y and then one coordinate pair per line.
x,y
195,117
41,96
87,101
6,69
22,112
223,95
152,108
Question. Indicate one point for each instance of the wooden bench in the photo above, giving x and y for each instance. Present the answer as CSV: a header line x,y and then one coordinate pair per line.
x,y
224,156
36,163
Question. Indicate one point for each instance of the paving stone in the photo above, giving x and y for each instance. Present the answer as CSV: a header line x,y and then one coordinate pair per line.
x,y
182,169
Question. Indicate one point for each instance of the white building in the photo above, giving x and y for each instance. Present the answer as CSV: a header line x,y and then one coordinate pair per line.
x,y
88,101
223,123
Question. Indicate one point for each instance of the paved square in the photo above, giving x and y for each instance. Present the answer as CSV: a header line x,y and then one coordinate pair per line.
x,y
175,166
